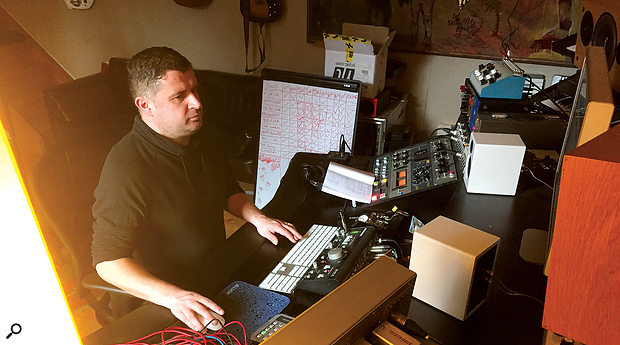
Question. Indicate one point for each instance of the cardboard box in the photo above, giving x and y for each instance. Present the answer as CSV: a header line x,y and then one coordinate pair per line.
x,y
360,53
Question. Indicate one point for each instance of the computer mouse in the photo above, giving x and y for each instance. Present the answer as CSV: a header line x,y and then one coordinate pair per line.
x,y
213,325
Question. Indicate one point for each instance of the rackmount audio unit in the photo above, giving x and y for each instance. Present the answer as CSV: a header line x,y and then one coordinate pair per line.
x,y
414,169
540,128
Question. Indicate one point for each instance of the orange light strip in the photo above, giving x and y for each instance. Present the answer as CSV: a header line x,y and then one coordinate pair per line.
x,y
13,190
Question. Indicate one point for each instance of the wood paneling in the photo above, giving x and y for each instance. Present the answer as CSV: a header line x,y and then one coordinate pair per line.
x,y
583,290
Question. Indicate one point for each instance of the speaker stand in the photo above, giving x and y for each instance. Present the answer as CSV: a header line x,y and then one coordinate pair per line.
x,y
534,246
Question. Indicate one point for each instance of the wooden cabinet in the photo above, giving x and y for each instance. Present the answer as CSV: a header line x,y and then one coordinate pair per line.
x,y
583,290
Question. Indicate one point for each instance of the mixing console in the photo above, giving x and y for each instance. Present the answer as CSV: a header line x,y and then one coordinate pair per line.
x,y
415,168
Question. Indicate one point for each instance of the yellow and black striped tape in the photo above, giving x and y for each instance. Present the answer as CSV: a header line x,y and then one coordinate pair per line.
x,y
349,40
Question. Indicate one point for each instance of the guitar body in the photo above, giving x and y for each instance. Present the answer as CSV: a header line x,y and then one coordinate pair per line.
x,y
261,11
192,3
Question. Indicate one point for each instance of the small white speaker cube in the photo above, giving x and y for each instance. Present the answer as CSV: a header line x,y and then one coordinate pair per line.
x,y
452,262
493,163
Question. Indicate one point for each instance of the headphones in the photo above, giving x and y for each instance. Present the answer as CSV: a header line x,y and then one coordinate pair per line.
x,y
314,174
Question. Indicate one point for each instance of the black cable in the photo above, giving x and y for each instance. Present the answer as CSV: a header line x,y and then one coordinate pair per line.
x,y
309,173
230,341
534,176
445,129
396,245
546,94
343,144
191,339
410,326
343,222
261,47
504,45
447,151
315,184
505,289
223,329
208,323
342,215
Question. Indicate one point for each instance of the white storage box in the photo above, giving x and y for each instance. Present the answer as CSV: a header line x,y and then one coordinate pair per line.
x,y
360,53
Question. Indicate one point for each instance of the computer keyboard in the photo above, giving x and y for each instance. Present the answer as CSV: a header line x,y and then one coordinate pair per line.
x,y
322,260
286,274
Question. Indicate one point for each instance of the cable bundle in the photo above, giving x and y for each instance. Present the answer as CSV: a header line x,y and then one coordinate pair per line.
x,y
186,336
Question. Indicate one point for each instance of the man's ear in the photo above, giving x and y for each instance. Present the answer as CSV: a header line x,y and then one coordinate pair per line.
x,y
144,105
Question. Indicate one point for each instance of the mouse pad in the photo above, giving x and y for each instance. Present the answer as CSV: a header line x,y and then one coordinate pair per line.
x,y
250,305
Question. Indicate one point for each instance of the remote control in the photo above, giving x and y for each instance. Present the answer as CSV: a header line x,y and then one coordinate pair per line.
x,y
270,327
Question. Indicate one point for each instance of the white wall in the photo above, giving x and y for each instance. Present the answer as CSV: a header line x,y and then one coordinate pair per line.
x,y
433,83
212,38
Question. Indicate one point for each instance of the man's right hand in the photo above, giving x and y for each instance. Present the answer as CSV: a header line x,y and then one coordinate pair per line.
x,y
134,279
185,305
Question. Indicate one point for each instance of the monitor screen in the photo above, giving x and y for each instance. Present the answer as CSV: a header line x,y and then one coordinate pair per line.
x,y
301,113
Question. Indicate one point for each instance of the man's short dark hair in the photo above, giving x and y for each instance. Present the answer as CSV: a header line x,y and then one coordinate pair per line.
x,y
146,68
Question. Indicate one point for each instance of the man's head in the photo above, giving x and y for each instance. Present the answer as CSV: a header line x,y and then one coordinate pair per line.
x,y
147,67
164,88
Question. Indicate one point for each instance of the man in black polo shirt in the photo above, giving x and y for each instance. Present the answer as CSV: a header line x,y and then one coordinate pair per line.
x,y
162,191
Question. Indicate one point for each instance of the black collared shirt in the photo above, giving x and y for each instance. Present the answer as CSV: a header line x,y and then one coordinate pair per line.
x,y
161,203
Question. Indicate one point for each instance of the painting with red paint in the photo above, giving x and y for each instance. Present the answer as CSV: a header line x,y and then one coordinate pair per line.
x,y
467,28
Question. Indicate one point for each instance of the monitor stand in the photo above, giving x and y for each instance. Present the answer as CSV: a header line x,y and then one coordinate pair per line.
x,y
534,246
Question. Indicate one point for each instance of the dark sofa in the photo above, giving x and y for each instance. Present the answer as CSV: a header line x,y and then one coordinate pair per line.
x,y
88,116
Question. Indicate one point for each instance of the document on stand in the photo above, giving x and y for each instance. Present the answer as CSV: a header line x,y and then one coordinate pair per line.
x,y
348,183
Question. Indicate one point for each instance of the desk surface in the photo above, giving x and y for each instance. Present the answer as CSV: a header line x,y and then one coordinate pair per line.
x,y
502,318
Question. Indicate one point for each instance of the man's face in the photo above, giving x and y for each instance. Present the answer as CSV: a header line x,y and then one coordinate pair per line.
x,y
175,111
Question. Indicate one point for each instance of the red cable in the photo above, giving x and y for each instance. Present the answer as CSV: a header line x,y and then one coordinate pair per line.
x,y
245,337
186,336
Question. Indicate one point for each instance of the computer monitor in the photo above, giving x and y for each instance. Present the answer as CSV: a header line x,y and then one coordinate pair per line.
x,y
590,116
301,113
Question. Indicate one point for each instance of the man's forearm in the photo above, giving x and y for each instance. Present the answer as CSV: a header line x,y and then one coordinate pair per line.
x,y
129,276
239,206
185,305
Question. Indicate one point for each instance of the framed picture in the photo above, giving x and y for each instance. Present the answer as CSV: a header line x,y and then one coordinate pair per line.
x,y
477,28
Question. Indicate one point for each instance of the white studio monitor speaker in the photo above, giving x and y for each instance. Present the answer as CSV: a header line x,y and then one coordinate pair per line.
x,y
493,163
453,262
